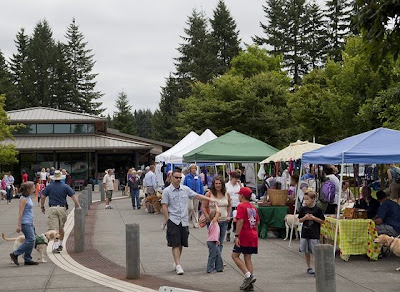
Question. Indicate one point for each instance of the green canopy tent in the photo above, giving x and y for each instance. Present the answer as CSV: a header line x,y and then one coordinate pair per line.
x,y
231,147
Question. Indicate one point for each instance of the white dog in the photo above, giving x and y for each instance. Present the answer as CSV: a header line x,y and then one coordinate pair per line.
x,y
290,220
41,242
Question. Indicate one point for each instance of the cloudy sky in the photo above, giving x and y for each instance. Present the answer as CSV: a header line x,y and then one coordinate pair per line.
x,y
134,42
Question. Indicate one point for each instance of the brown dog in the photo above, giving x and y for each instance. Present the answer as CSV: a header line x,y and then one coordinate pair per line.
x,y
392,242
153,204
41,241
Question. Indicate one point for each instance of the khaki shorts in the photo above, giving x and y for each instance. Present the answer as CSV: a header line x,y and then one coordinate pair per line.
x,y
57,218
109,194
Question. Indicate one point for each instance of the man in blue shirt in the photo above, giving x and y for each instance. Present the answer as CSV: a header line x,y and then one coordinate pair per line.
x,y
57,193
193,181
388,218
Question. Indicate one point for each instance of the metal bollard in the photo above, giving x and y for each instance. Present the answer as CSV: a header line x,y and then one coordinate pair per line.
x,y
102,193
325,268
90,197
79,230
132,251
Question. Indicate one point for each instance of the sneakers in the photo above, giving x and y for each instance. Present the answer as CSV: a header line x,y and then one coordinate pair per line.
x,y
108,207
14,258
250,288
58,249
179,270
31,263
310,271
228,236
247,282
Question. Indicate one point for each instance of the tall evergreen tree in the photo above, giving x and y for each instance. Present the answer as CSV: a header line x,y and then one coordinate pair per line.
x,y
226,37
338,14
165,117
143,122
82,79
20,73
314,37
123,119
197,61
6,86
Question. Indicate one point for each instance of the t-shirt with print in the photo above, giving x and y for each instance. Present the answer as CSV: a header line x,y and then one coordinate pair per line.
x,y
311,229
249,234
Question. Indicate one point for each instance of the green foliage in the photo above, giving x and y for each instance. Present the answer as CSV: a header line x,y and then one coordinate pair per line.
x,y
254,105
225,37
123,119
8,154
143,123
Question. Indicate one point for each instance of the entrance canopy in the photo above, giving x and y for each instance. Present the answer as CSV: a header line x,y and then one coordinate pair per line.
x,y
187,140
231,147
292,152
380,146
177,157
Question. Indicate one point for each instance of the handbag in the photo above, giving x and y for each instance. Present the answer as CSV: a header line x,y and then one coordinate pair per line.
x,y
202,220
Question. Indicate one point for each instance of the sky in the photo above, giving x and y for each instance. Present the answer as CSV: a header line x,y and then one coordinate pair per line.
x,y
134,42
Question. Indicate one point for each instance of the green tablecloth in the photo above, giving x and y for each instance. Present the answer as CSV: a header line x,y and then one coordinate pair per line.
x,y
271,216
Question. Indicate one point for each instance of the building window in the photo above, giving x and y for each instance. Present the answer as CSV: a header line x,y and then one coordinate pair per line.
x,y
62,128
79,128
45,128
28,129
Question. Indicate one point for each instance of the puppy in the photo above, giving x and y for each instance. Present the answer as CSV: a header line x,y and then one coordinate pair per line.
x,y
41,242
392,242
290,220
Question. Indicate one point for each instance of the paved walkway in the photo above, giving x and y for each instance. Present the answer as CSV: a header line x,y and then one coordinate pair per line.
x,y
277,267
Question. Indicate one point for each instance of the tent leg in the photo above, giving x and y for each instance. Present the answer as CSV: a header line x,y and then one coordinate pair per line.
x,y
255,172
295,201
223,171
338,210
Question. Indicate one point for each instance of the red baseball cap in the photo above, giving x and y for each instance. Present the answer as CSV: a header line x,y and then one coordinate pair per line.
x,y
245,192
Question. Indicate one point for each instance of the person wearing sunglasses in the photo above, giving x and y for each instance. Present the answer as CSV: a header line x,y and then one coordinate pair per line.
x,y
175,200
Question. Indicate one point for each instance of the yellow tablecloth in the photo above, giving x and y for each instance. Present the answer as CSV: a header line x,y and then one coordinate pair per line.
x,y
355,236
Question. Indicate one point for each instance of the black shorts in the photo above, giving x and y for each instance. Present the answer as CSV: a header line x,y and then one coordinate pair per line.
x,y
177,235
245,249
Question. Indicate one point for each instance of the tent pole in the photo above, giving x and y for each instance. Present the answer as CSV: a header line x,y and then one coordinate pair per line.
x,y
256,178
338,210
296,191
223,171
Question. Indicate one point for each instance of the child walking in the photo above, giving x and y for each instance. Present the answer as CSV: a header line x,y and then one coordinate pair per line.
x,y
246,237
214,263
312,217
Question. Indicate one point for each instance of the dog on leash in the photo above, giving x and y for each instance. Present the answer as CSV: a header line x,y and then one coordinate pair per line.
x,y
291,220
153,204
393,243
41,242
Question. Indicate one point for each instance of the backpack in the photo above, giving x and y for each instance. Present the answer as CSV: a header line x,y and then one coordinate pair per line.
x,y
396,177
327,192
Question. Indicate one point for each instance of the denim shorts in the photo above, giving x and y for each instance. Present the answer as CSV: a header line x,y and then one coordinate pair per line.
x,y
308,245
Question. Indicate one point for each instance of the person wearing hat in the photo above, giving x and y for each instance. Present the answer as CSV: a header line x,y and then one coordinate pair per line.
x,y
57,193
246,237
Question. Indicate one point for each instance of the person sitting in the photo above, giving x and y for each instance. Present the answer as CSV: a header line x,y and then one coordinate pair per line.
x,y
347,195
368,202
388,218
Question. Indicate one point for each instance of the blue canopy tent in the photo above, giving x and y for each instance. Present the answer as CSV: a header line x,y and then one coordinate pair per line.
x,y
380,146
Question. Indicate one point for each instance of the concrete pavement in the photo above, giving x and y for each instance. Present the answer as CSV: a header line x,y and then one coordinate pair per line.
x,y
276,267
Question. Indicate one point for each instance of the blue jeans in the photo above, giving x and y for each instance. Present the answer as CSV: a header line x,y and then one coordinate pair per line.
x,y
9,193
134,196
27,247
214,257
223,226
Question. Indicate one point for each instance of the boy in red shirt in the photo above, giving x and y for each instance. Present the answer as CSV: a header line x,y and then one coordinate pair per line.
x,y
246,237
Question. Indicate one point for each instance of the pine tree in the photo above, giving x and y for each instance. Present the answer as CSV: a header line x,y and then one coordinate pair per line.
x,y
6,86
315,35
82,79
165,117
123,119
338,14
143,122
197,61
20,73
226,37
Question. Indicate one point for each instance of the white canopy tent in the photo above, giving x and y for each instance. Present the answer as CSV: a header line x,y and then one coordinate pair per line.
x,y
292,152
177,157
187,140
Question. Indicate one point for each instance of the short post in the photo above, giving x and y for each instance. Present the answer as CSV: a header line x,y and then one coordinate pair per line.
x,y
102,193
132,251
325,268
79,230
84,195
90,197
